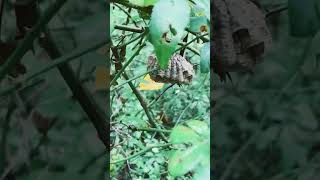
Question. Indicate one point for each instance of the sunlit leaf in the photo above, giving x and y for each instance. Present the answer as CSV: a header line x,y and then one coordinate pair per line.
x,y
182,162
183,134
149,84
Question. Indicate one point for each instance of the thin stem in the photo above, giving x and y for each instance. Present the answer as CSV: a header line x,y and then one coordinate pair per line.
x,y
132,79
203,38
156,99
130,5
126,65
144,106
151,130
141,152
193,40
26,43
129,28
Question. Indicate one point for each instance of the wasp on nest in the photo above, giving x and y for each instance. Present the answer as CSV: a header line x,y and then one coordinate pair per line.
x,y
179,70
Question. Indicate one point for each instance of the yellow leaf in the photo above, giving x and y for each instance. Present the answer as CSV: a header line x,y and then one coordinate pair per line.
x,y
149,84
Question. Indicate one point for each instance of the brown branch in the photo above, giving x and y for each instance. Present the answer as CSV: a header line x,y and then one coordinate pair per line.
x,y
128,28
97,117
144,106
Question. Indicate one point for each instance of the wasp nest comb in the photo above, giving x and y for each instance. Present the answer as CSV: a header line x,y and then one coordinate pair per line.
x,y
240,35
179,70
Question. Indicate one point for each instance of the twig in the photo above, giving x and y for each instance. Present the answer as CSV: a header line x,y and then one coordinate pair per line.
x,y
160,95
132,79
190,48
129,28
26,43
150,130
130,5
203,38
125,65
193,40
144,106
141,152
128,14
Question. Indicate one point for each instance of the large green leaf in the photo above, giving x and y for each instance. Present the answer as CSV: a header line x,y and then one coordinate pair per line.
x,y
303,17
199,127
167,29
143,3
182,162
183,134
205,6
205,58
199,24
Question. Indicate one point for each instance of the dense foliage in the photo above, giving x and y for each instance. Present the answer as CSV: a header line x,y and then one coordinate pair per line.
x,y
159,130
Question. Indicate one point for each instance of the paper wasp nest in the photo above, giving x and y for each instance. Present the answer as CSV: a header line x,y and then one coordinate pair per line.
x,y
240,35
179,70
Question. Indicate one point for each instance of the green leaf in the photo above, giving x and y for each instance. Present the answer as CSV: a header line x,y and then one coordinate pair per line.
x,y
199,24
182,162
183,134
303,18
205,6
202,173
205,58
166,31
143,3
199,127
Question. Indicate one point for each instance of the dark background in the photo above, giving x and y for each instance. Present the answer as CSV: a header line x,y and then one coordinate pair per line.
x,y
45,133
266,124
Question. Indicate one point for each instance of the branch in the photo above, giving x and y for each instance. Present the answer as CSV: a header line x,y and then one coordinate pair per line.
x,y
144,106
26,43
97,117
126,65
129,28
150,130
